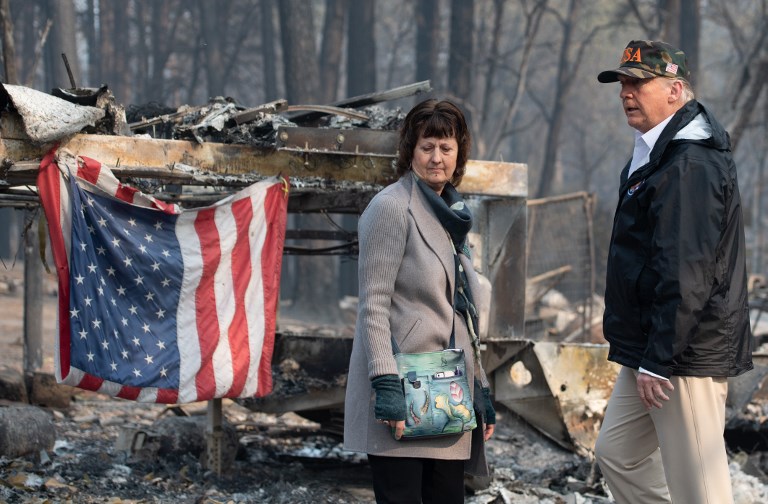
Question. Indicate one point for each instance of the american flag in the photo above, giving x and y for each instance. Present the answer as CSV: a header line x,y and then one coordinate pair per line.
x,y
156,303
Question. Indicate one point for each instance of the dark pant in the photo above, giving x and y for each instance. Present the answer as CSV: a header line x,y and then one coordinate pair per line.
x,y
403,480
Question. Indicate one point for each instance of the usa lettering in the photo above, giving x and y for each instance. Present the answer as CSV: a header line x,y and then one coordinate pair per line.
x,y
631,55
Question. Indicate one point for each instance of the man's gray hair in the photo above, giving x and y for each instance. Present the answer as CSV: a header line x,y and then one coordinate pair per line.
x,y
688,93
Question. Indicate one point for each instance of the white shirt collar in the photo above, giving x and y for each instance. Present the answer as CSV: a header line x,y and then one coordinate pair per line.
x,y
644,143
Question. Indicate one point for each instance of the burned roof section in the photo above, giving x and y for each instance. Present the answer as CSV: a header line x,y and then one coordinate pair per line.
x,y
348,145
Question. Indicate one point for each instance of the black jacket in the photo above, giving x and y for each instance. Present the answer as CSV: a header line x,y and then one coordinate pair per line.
x,y
676,287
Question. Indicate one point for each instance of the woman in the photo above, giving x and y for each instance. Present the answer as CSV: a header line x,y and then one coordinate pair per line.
x,y
411,236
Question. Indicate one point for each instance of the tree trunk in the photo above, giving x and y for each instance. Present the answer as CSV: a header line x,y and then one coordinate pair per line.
x,y
319,293
332,48
106,47
141,22
500,129
427,39
213,40
549,171
669,11
62,41
269,67
299,55
492,58
29,39
9,47
690,31
460,67
92,40
121,83
361,49
161,36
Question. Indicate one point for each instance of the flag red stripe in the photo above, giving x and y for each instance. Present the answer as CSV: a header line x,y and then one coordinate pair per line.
x,y
275,204
89,170
207,319
49,185
242,211
167,396
89,382
128,392
125,193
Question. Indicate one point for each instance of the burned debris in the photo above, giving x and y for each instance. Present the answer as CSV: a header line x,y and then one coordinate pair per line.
x,y
543,346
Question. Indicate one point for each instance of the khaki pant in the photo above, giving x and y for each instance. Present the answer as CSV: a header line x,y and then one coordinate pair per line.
x,y
673,454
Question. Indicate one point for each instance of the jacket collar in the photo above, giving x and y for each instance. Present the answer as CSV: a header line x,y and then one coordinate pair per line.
x,y
682,118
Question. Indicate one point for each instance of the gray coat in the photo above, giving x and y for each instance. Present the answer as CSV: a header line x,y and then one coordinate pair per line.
x,y
406,274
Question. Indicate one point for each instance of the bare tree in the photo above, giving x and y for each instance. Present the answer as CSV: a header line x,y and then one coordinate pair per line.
x,y
27,19
163,23
213,16
63,41
652,24
427,39
460,63
752,73
331,48
269,67
361,49
318,274
670,16
570,55
498,129
141,25
299,55
689,28
93,43
493,57
121,80
9,46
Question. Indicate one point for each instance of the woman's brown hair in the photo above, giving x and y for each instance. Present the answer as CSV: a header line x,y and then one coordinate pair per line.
x,y
433,118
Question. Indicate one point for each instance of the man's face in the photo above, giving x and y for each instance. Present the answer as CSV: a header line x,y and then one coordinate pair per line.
x,y
647,102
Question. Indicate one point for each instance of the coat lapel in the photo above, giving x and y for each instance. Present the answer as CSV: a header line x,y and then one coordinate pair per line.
x,y
431,230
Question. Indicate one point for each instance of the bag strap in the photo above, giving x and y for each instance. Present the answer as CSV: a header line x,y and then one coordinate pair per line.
x,y
452,341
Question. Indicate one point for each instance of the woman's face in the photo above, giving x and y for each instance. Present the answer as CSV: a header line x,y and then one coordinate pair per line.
x,y
434,160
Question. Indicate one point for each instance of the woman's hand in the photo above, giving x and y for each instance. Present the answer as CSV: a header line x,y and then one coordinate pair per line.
x,y
488,431
396,426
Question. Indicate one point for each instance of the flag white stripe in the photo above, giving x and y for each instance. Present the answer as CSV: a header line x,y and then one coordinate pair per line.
x,y
225,304
254,296
186,317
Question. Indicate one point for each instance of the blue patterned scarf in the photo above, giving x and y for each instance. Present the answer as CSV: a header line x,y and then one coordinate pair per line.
x,y
456,218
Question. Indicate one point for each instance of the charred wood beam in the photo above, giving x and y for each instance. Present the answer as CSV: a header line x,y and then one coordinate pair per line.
x,y
235,165
172,160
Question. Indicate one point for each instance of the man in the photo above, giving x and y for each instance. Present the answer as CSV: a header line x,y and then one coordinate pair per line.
x,y
676,314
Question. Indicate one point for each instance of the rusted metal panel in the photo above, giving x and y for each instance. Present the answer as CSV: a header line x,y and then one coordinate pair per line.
x,y
354,142
498,248
562,389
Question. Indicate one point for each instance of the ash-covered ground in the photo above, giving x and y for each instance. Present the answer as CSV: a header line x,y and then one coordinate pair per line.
x,y
279,459
272,459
